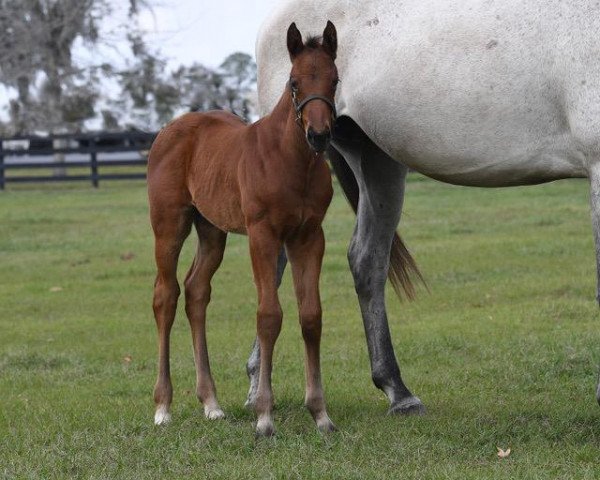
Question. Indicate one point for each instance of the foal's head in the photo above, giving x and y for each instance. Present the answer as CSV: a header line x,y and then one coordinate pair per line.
x,y
313,81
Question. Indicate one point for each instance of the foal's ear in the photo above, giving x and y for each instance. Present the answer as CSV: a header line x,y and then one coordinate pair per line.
x,y
330,39
294,41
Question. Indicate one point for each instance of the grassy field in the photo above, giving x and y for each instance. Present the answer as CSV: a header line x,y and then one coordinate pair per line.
x,y
503,351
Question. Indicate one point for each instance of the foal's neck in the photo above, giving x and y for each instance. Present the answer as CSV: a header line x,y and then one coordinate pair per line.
x,y
288,133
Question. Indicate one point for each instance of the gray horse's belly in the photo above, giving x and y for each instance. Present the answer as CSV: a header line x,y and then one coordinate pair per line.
x,y
482,161
482,97
471,92
471,139
479,131
499,172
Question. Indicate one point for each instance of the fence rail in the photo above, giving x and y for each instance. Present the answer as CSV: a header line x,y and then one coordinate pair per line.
x,y
92,151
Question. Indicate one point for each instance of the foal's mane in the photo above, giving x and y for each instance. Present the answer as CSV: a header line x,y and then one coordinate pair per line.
x,y
313,43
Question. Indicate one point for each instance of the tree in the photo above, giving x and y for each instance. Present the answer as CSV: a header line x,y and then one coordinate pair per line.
x,y
148,98
151,96
36,48
56,91
37,38
239,73
229,87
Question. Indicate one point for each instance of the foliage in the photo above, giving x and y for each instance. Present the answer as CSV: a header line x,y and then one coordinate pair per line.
x,y
36,45
153,96
239,73
503,351
56,91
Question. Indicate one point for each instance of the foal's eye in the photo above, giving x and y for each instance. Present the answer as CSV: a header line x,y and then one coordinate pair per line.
x,y
294,83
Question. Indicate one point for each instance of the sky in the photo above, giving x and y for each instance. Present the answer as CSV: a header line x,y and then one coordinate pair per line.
x,y
188,31
205,31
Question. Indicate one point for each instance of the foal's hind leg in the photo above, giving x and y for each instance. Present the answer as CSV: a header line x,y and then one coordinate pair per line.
x,y
211,244
171,226
306,255
253,364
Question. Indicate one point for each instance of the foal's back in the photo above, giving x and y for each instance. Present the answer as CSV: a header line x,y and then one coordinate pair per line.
x,y
194,161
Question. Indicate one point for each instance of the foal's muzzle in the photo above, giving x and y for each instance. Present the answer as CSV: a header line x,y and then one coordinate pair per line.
x,y
319,141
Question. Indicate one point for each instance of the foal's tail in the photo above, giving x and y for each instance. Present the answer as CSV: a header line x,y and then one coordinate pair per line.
x,y
402,265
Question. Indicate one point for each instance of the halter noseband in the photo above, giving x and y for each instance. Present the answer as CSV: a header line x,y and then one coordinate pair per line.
x,y
299,106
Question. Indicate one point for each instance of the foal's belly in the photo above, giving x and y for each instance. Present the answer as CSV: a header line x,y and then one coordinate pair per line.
x,y
226,219
217,200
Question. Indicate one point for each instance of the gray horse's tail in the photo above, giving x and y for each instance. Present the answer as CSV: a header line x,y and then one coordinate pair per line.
x,y
402,265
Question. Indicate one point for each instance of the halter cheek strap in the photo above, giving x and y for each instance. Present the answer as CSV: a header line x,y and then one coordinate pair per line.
x,y
299,106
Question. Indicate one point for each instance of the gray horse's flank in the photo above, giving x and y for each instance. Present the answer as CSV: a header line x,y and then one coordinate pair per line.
x,y
486,93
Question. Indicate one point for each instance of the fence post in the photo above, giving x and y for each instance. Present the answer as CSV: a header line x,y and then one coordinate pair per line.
x,y
94,162
1,165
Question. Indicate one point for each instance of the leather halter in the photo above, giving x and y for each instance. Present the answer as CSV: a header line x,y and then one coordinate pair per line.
x,y
299,106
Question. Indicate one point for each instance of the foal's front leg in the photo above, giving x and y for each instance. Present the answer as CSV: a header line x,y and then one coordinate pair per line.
x,y
264,249
306,255
253,363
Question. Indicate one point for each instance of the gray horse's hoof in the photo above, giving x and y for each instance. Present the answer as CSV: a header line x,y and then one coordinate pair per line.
x,y
250,402
252,391
408,406
598,394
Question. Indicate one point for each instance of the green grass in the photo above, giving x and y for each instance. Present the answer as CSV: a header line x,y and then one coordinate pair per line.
x,y
503,351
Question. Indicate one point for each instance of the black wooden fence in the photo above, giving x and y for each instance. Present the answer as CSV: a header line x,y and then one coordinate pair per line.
x,y
21,158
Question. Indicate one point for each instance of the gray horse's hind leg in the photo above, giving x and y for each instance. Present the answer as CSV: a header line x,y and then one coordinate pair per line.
x,y
381,184
595,206
594,175
253,364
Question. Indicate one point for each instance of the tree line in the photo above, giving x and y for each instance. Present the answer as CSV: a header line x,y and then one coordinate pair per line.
x,y
55,89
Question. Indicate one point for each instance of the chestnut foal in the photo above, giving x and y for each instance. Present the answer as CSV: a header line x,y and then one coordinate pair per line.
x,y
268,180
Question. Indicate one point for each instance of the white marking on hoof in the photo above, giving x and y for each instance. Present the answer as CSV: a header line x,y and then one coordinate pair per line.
x,y
213,413
162,415
324,424
265,427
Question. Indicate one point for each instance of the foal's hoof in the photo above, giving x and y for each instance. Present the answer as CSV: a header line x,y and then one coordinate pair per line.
x,y
326,427
162,415
265,428
213,413
408,406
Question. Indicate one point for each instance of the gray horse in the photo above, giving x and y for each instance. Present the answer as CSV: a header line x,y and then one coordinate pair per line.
x,y
488,93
